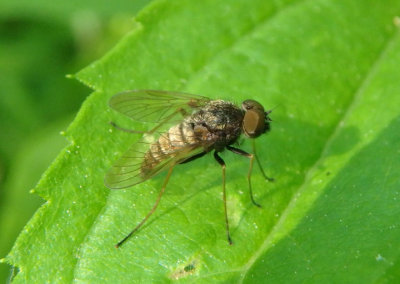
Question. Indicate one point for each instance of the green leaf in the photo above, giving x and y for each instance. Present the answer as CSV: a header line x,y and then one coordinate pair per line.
x,y
330,67
28,100
28,165
63,10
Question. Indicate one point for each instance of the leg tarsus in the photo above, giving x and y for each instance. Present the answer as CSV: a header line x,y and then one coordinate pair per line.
x,y
267,178
125,129
120,243
230,240
259,163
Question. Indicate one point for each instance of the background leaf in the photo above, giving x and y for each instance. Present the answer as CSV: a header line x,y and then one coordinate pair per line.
x,y
331,216
37,103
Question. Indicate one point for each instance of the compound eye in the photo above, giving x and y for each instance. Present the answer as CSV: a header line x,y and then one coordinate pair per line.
x,y
252,104
253,123
246,105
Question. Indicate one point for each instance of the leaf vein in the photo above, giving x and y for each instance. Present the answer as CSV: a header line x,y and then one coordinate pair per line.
x,y
276,231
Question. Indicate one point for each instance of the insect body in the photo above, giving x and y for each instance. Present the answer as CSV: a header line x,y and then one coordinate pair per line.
x,y
213,127
205,125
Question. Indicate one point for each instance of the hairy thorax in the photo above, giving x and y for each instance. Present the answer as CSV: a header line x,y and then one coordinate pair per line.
x,y
217,124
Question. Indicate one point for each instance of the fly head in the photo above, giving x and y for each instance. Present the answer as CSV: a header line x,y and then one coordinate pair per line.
x,y
256,120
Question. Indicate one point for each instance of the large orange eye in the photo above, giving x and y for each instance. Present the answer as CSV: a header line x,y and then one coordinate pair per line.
x,y
252,104
254,118
254,123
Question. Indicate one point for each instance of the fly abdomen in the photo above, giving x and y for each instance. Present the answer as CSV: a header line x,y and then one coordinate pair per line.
x,y
171,143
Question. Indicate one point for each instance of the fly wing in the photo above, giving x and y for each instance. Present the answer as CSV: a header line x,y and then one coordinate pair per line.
x,y
137,165
160,107
155,106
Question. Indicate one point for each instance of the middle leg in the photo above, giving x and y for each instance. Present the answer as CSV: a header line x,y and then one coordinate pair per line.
x,y
222,163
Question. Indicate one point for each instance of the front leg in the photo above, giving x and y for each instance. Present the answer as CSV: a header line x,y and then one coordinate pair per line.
x,y
251,157
258,162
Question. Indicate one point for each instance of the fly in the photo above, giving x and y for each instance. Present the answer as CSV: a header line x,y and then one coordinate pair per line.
x,y
203,126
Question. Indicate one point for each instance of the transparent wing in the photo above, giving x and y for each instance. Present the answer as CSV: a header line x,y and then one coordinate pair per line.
x,y
137,165
155,106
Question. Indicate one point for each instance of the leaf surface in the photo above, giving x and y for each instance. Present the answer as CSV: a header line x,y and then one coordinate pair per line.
x,y
330,67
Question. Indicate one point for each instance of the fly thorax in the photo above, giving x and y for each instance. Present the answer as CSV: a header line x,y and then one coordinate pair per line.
x,y
219,121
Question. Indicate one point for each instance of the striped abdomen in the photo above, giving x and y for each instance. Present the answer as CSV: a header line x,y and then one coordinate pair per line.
x,y
177,140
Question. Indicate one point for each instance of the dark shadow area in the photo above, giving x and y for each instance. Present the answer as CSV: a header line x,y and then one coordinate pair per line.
x,y
353,228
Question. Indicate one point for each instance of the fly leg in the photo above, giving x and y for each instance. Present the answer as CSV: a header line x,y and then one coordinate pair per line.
x,y
150,212
222,163
251,157
125,129
194,157
259,163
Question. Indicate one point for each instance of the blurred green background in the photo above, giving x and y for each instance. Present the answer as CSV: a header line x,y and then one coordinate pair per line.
x,y
40,43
